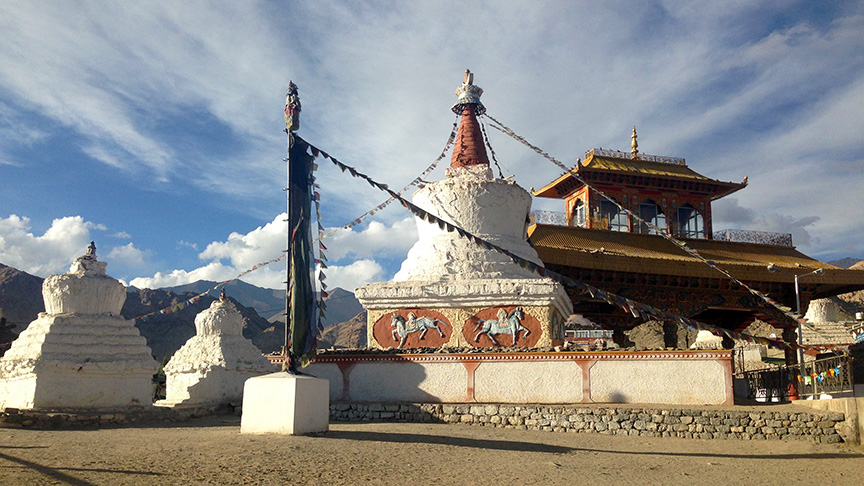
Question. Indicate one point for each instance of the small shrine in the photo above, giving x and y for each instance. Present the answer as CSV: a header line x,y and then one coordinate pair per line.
x,y
79,353
213,365
451,292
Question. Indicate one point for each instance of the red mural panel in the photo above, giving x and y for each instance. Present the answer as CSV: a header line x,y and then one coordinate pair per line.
x,y
496,326
412,328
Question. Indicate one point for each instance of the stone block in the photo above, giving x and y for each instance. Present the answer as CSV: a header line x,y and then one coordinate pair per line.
x,y
282,403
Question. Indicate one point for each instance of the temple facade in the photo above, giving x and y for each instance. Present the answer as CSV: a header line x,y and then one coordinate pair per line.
x,y
595,242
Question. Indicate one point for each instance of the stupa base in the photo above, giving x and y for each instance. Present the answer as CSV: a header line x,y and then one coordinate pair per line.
x,y
69,389
505,312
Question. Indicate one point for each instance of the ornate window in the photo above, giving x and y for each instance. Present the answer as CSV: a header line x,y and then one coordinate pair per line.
x,y
651,212
689,222
611,217
579,214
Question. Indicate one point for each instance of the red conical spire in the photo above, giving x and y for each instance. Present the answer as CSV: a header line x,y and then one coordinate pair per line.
x,y
469,148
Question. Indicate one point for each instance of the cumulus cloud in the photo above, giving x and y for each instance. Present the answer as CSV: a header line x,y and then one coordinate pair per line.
x,y
353,275
769,90
213,271
128,256
376,239
52,252
353,256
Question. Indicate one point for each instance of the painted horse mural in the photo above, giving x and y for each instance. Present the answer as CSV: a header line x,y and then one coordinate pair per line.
x,y
506,324
402,328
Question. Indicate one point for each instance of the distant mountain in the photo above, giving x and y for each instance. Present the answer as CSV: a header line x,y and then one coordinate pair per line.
x,y
348,334
21,302
845,262
20,297
341,306
267,302
165,334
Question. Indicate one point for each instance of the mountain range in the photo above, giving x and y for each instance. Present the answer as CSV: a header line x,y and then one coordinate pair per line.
x,y
21,302
344,324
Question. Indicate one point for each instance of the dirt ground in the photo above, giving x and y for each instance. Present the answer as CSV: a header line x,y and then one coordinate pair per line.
x,y
212,451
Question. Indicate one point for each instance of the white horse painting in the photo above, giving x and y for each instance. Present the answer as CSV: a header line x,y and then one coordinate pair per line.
x,y
505,324
402,328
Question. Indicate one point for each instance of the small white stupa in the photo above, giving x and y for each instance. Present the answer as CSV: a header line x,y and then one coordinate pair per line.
x,y
79,353
212,366
451,292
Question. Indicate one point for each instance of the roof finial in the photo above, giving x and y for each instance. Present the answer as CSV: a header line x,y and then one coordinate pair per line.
x,y
469,96
292,108
468,148
634,145
91,251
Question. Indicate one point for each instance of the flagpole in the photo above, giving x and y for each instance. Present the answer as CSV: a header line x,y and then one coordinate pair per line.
x,y
292,124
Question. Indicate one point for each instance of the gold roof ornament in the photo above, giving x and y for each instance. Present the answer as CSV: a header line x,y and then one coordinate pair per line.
x,y
634,145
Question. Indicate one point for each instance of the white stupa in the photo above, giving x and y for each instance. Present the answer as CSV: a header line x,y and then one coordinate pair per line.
x,y
212,366
452,292
79,353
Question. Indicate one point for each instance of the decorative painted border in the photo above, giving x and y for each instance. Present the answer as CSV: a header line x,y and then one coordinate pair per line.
x,y
556,356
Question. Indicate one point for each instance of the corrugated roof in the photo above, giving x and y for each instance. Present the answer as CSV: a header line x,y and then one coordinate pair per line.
x,y
663,169
651,168
639,253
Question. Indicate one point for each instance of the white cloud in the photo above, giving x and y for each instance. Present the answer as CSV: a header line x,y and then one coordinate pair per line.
x,y
186,244
128,256
713,83
356,274
376,239
213,271
241,252
122,235
52,252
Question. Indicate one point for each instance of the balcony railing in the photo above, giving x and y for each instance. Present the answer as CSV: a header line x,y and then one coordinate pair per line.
x,y
556,218
750,236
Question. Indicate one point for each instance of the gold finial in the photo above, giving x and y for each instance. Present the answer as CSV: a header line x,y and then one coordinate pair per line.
x,y
469,77
634,146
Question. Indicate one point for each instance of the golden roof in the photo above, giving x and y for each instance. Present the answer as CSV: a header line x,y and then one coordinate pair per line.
x,y
645,165
653,254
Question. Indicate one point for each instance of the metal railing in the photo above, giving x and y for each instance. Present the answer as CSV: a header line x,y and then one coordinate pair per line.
x,y
827,376
768,385
752,236
540,216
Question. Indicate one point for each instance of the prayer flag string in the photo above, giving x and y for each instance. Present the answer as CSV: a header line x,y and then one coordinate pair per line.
x,y
418,181
680,244
630,306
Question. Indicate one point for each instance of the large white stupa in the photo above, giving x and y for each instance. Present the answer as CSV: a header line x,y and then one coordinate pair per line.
x,y
213,365
79,353
452,292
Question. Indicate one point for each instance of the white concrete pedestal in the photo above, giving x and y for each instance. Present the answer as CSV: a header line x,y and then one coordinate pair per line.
x,y
282,403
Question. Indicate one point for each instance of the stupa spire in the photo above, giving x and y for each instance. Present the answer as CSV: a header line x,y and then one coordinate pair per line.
x,y
469,148
634,145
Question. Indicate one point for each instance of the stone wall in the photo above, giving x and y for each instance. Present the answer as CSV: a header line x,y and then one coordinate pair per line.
x,y
646,422
13,418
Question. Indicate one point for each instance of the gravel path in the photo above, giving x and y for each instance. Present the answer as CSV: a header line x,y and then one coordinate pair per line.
x,y
212,451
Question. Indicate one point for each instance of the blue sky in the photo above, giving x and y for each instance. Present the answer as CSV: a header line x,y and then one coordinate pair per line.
x,y
156,128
